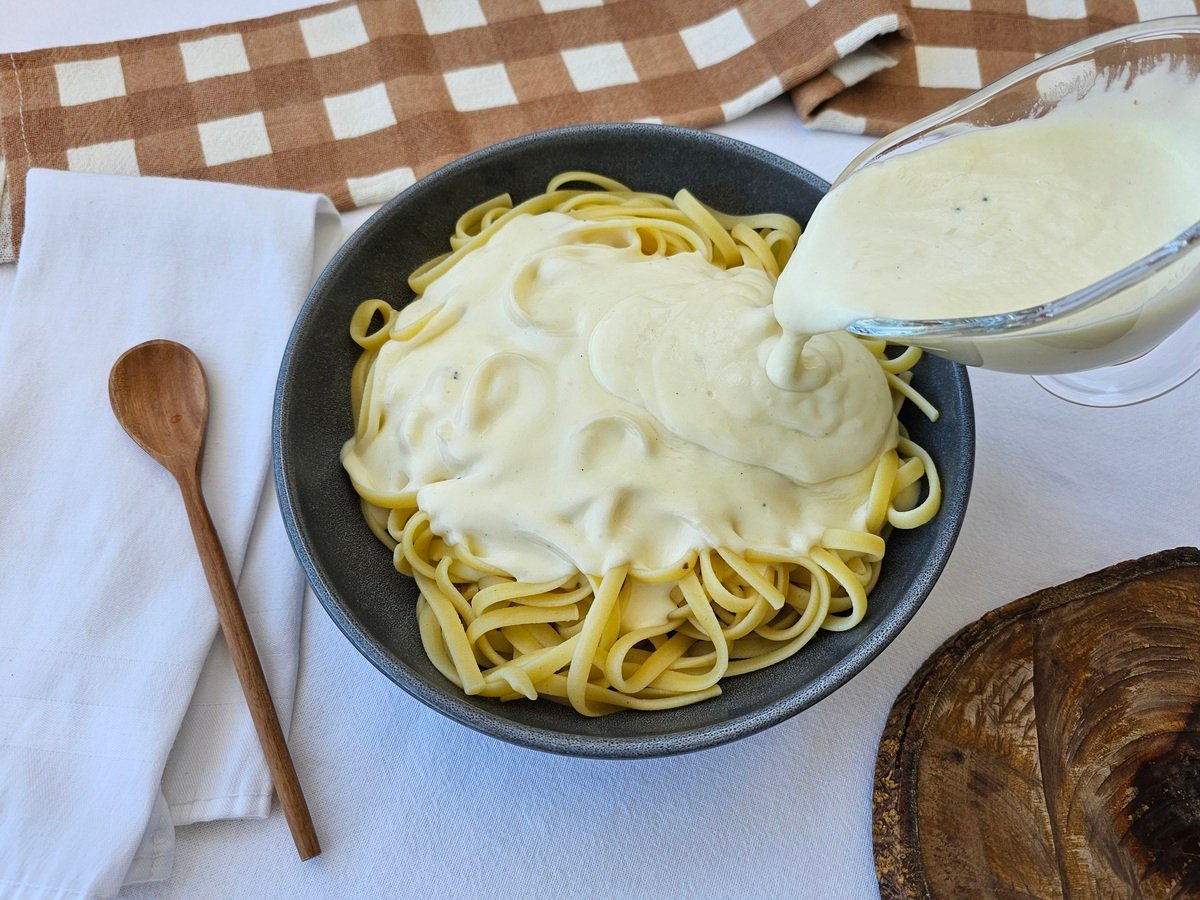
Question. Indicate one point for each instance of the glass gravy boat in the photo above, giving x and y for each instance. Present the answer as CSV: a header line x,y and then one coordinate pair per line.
x,y
1127,337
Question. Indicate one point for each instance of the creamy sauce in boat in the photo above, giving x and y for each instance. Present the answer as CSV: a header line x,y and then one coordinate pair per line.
x,y
995,220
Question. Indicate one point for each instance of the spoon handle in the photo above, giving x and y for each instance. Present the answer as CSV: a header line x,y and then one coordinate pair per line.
x,y
249,669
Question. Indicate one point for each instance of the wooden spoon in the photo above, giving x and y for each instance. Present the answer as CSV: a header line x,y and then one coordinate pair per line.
x,y
159,395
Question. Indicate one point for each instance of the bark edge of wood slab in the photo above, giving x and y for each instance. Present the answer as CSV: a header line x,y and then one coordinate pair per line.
x,y
1051,748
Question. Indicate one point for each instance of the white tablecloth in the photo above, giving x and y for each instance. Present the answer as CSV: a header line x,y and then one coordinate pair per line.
x,y
408,803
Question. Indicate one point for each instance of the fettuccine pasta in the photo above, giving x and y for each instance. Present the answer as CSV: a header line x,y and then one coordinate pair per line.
x,y
566,440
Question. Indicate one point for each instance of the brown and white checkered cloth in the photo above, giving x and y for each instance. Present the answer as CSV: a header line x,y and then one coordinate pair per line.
x,y
956,47
357,99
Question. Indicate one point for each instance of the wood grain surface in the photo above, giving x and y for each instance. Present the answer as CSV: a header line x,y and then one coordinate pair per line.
x,y
1052,748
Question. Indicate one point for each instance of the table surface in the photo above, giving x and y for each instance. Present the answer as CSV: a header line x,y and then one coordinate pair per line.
x,y
409,803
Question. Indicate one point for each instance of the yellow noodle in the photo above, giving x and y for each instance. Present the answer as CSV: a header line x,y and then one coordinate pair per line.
x,y
736,611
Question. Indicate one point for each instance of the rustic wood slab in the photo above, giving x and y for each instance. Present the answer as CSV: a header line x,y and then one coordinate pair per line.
x,y
1052,748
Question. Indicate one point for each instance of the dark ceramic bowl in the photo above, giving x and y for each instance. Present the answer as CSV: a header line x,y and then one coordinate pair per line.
x,y
352,573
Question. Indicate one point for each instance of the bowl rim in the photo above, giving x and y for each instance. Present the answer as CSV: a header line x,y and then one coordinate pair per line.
x,y
447,700
1181,245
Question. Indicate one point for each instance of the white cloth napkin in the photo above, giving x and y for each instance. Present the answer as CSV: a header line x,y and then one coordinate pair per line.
x,y
119,714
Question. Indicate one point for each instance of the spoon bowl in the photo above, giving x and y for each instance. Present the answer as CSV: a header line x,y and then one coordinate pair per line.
x,y
159,395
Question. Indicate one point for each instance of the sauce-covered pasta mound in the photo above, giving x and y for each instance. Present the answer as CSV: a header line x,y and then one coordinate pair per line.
x,y
569,440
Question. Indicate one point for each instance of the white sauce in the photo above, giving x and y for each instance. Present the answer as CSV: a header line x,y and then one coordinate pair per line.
x,y
999,219
590,407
